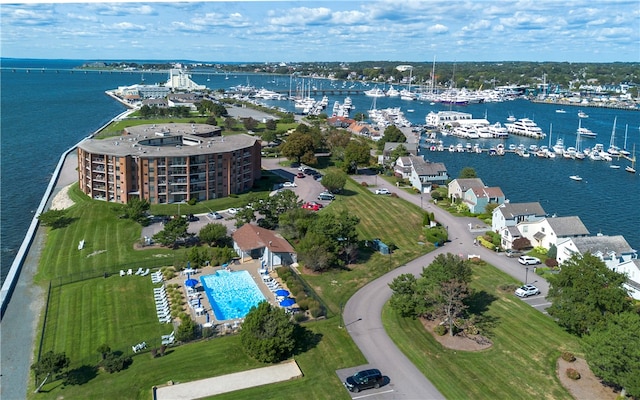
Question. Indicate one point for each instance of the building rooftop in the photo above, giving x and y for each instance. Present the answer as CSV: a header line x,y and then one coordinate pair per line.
x,y
249,237
567,226
603,244
512,210
155,142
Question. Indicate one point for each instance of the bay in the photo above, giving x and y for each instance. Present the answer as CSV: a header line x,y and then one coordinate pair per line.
x,y
47,107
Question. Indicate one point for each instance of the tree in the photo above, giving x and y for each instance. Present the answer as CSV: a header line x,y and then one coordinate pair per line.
x,y
521,244
136,210
104,349
334,180
400,151
468,172
391,134
298,144
449,301
267,333
54,218
50,363
356,153
613,351
249,123
585,294
213,234
230,123
173,230
272,207
271,124
315,252
404,298
295,223
186,330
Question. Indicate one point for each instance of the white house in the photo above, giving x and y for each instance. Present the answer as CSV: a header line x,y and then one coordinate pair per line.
x,y
511,214
458,187
253,242
547,231
614,251
422,174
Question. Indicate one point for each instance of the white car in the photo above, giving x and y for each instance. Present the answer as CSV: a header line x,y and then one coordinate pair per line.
x,y
214,215
527,290
232,211
289,184
383,191
528,260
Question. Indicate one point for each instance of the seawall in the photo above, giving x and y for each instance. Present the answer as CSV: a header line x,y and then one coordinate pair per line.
x,y
14,272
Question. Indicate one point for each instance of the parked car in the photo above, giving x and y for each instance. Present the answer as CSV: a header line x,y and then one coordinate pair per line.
x,y
214,215
289,184
367,379
192,218
326,196
312,206
383,191
232,211
528,260
527,290
300,175
513,253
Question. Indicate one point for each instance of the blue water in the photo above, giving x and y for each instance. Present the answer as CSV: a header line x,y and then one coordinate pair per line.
x,y
45,113
231,294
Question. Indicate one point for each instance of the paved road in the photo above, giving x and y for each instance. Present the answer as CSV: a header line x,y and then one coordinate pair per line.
x,y
362,313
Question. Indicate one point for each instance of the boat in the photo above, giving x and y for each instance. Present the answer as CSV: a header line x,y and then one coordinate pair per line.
x,y
584,132
624,151
582,114
375,92
511,118
613,166
393,92
561,111
632,168
613,149
575,177
558,148
525,127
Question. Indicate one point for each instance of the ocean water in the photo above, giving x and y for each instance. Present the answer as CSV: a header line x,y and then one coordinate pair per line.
x,y
47,108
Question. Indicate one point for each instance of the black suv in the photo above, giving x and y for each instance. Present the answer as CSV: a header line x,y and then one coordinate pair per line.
x,y
367,379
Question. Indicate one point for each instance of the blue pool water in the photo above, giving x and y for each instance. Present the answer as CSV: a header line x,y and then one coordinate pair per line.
x,y
231,293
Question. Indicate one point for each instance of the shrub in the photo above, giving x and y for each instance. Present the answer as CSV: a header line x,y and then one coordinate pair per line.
x,y
440,330
316,312
364,184
115,363
551,262
573,374
568,356
299,317
163,348
394,195
192,201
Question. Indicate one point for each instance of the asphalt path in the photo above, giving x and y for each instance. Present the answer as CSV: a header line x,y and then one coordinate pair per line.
x,y
362,314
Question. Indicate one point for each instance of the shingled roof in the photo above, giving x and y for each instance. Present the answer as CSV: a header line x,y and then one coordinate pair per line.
x,y
604,244
512,210
249,237
568,226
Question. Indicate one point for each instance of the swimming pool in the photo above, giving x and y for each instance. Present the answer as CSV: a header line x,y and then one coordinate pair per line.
x,y
231,293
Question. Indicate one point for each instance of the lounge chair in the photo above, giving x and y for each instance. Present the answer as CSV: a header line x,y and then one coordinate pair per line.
x,y
139,271
166,320
145,273
122,273
172,334
130,272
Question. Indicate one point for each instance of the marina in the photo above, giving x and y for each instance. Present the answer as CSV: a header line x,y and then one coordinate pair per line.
x,y
492,158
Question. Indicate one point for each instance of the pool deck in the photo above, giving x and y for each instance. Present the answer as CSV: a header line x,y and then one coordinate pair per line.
x,y
229,383
225,326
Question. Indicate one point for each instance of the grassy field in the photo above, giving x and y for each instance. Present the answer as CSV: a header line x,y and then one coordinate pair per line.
x,y
388,218
520,364
329,349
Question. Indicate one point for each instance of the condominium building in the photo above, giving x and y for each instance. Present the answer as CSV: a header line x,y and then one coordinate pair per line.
x,y
170,163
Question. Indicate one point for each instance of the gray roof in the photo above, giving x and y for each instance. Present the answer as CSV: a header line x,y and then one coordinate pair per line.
x,y
468,183
173,145
512,210
412,148
604,244
423,167
568,226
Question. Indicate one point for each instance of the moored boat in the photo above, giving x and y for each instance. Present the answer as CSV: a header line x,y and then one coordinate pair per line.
x,y
575,177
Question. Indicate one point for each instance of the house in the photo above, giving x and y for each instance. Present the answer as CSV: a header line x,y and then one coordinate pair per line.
x,y
614,251
422,174
547,231
389,147
253,242
477,199
458,187
358,128
511,214
340,122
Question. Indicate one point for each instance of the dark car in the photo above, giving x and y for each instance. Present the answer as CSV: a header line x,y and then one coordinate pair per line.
x,y
367,379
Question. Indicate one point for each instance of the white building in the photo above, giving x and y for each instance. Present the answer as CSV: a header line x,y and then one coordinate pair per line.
x,y
180,80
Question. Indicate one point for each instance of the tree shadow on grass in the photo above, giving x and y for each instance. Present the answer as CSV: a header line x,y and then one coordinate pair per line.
x,y
479,303
305,340
81,375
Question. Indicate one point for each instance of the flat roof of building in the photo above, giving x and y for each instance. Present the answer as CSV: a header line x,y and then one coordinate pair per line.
x,y
166,145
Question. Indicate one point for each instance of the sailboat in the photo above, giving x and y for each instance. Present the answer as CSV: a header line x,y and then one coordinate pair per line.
x,y
613,149
624,151
632,168
579,154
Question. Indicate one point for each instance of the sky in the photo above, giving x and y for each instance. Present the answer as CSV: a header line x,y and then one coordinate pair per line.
x,y
308,31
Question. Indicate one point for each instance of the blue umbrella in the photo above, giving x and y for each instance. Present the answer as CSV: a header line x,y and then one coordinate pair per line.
x,y
207,314
288,302
191,282
282,292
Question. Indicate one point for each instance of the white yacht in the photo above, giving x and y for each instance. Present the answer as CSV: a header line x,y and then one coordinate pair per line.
x,y
393,92
498,131
525,127
375,92
558,148
441,119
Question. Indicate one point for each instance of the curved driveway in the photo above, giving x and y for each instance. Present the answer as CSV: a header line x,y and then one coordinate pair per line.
x,y
363,312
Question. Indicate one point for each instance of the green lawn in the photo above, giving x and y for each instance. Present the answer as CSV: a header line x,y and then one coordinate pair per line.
x,y
389,218
332,350
520,364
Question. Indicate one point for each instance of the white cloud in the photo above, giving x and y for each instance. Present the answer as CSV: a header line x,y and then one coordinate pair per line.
x,y
300,16
127,26
438,29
